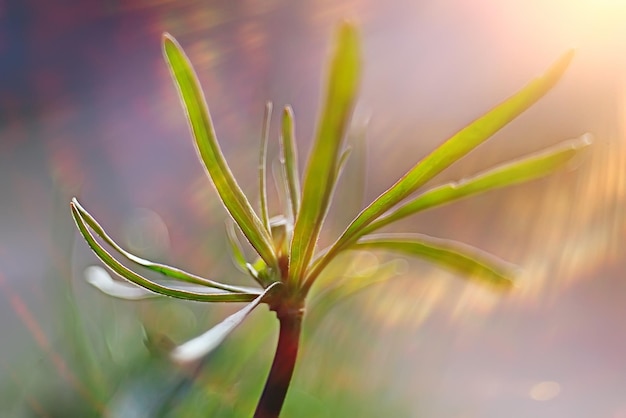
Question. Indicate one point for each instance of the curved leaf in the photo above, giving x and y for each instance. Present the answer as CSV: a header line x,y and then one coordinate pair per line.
x,y
210,153
321,171
171,272
470,262
146,283
202,345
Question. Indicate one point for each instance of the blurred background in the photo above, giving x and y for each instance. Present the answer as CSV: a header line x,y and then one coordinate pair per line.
x,y
87,109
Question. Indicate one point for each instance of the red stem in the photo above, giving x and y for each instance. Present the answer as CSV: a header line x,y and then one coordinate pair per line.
x,y
279,378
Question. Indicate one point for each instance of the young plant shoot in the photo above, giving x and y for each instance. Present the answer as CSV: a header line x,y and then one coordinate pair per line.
x,y
289,263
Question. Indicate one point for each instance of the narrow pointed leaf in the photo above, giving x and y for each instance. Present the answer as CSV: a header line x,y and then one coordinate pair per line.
x,y
146,283
263,165
470,262
210,152
442,157
459,145
202,345
168,271
290,160
321,171
522,170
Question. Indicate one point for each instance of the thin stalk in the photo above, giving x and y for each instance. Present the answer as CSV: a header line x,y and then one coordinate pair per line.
x,y
279,378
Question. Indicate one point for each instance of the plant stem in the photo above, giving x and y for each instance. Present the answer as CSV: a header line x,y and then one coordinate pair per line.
x,y
279,378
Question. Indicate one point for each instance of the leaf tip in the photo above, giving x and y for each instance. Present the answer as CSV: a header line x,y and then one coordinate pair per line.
x,y
557,69
584,141
506,284
347,27
348,35
74,205
569,54
579,148
167,37
169,44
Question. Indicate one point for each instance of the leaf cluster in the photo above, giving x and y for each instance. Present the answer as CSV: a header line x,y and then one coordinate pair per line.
x,y
288,261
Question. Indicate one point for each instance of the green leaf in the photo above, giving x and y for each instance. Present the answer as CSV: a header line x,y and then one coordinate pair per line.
x,y
442,157
198,348
146,283
263,165
321,171
522,170
470,262
171,272
459,145
290,161
210,153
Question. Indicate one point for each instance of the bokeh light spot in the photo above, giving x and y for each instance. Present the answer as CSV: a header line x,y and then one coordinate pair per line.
x,y
146,233
545,391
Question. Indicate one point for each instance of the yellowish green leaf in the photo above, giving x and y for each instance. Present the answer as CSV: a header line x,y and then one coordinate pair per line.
x,y
290,161
522,170
442,157
168,271
470,262
210,152
146,283
321,171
